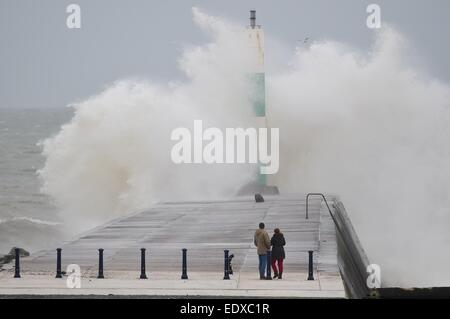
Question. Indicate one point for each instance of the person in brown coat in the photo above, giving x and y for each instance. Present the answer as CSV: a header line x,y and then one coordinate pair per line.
x,y
262,242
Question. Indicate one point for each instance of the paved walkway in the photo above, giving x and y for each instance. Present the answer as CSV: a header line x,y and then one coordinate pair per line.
x,y
205,229
164,284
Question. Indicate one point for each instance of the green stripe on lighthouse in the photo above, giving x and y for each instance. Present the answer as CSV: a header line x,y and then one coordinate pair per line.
x,y
259,94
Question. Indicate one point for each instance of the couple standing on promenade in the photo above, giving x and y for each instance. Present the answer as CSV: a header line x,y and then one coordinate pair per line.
x,y
264,244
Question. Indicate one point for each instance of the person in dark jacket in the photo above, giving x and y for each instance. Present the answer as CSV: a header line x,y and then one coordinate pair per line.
x,y
278,255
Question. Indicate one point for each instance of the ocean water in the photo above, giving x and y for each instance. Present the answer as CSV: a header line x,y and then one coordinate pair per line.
x,y
27,217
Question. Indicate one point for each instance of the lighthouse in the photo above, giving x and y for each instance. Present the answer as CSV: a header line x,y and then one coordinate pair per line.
x,y
257,78
256,42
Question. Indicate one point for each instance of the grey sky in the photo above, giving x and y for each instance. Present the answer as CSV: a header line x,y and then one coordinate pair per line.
x,y
45,64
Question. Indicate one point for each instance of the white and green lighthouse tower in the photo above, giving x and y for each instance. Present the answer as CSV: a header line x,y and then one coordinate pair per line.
x,y
257,78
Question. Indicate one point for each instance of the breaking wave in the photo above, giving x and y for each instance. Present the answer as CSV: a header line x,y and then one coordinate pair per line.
x,y
371,127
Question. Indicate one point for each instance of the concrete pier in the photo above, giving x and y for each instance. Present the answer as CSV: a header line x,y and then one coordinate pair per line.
x,y
205,229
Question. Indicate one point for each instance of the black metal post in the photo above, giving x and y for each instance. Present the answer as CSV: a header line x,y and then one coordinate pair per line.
x,y
269,264
226,270
17,268
100,264
143,275
58,263
184,265
310,266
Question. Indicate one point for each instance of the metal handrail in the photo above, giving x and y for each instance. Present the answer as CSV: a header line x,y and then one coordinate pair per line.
x,y
323,196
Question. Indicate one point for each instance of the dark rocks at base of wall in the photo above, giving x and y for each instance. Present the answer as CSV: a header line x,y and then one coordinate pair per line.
x,y
6,259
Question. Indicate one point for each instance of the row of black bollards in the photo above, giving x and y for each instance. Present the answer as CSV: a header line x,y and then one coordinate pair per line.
x,y
100,264
227,264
